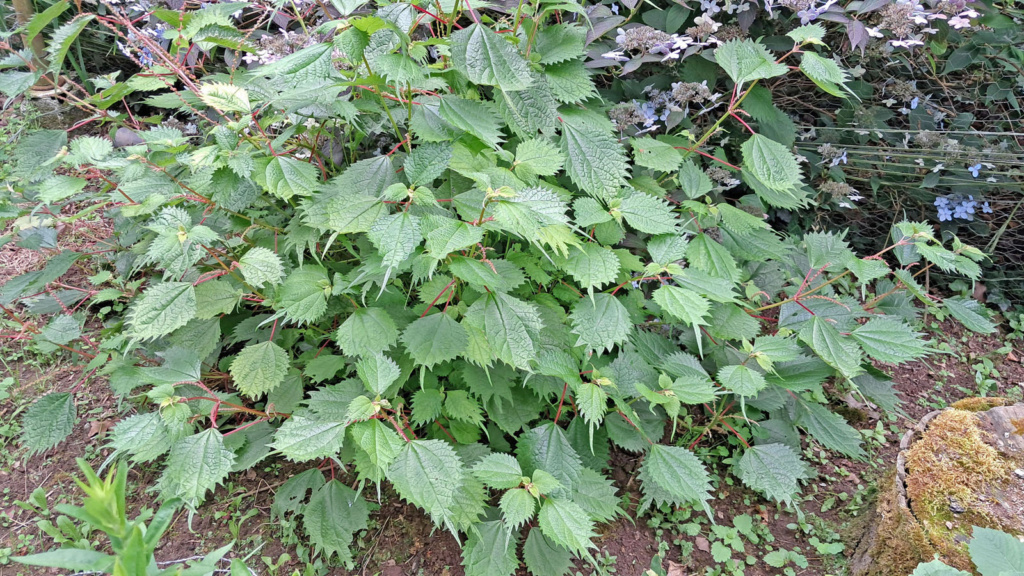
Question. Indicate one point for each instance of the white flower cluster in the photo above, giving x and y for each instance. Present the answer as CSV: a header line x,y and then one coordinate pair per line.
x,y
672,46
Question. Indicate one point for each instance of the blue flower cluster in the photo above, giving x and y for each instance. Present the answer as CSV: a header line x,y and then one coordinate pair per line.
x,y
956,206
651,114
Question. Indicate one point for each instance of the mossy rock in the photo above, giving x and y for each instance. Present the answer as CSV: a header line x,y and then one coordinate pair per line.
x,y
958,468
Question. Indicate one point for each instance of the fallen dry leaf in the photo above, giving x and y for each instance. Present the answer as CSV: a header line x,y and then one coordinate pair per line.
x,y
703,544
98,428
675,569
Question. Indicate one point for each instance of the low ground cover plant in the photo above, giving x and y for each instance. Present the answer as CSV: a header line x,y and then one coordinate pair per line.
x,y
453,248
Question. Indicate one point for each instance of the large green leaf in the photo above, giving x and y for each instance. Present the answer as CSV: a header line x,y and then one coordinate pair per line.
x,y
434,339
428,473
196,465
367,331
333,516
970,313
488,550
304,437
672,474
488,58
162,309
594,159
48,422
566,524
996,553
839,351
774,470
259,368
601,322
745,60
545,558
890,340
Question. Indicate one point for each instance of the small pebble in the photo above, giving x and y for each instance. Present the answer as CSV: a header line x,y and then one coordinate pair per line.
x,y
955,507
1019,472
949,524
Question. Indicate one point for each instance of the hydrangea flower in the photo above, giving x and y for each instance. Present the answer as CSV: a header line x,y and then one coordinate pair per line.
x,y
615,8
974,170
986,208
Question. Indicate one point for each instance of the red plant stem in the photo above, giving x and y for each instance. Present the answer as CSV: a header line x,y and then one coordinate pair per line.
x,y
394,423
740,120
445,430
706,155
438,297
240,428
637,428
403,142
733,430
561,401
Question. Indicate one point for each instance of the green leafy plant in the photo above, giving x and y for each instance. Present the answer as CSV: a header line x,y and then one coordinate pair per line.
x,y
132,542
417,249
993,553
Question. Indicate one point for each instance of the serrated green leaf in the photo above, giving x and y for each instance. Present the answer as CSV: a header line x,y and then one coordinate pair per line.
x,y
287,177
259,368
601,322
592,265
48,422
674,475
771,163
62,40
489,550
648,214
225,97
162,309
498,470
890,340
537,157
334,514
434,339
545,558
427,473
303,437
367,331
566,524
487,58
195,466
450,236
302,298
426,406
970,313
261,266
396,236
774,470
840,352
741,380
824,72
517,506
830,429
595,161
682,304
746,60
560,42
655,154
378,372
547,448
144,437
62,329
